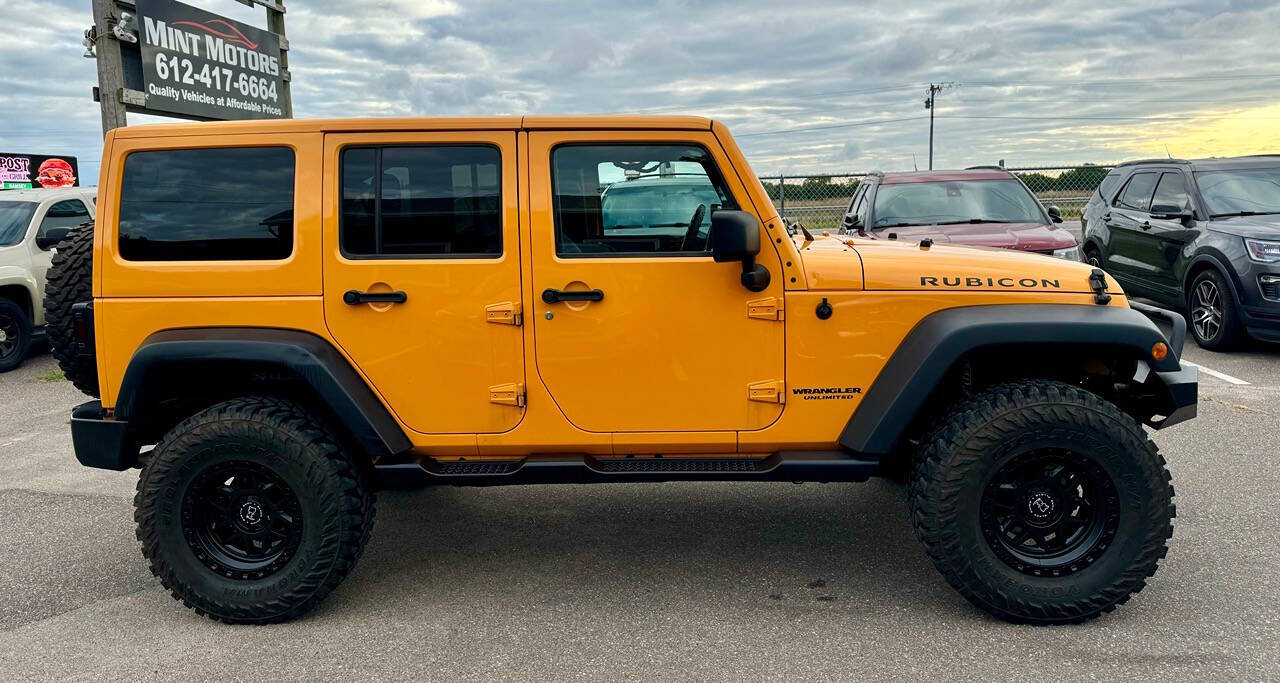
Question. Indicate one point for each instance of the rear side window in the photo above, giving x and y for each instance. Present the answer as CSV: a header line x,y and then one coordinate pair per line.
x,y
1137,193
1108,187
426,201
223,204
64,214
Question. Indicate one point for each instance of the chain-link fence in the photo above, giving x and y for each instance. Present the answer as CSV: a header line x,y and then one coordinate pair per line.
x,y
819,201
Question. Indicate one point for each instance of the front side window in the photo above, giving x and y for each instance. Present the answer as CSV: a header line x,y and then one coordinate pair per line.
x,y
425,201
64,214
1137,193
15,217
1240,191
217,204
954,202
629,199
1171,192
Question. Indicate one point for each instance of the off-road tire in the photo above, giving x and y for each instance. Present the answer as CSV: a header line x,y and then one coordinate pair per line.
x,y
334,500
1230,333
70,281
15,324
987,432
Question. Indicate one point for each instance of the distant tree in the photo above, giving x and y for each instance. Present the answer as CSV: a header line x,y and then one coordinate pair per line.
x,y
1038,182
1085,178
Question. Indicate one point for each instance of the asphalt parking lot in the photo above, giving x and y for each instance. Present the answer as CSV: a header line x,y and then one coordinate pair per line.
x,y
670,581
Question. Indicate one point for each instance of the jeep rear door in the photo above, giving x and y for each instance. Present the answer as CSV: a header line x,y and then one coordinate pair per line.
x,y
636,328
422,273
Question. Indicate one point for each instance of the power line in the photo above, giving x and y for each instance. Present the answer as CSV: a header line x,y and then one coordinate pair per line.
x,y
831,127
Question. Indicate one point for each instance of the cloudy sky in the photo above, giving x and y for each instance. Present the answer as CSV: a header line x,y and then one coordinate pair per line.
x,y
805,86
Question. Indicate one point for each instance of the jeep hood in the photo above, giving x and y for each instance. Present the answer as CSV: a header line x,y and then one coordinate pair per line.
x,y
847,262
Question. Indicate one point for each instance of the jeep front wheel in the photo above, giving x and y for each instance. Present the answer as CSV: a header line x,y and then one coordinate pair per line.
x,y
250,513
1042,503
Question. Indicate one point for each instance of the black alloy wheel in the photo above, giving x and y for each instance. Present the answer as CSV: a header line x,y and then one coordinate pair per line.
x,y
15,335
241,520
1050,512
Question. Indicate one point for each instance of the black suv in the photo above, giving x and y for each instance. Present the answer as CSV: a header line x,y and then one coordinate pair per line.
x,y
1201,236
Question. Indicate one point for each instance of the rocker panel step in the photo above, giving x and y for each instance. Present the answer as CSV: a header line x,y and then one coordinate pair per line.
x,y
818,466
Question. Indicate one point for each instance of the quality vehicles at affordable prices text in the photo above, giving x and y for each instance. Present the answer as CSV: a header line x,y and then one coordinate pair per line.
x,y
282,315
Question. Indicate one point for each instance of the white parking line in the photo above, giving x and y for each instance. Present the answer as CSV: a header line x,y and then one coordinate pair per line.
x,y
1214,373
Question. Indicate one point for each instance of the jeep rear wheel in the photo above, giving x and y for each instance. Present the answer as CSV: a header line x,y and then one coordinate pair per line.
x,y
15,335
70,281
249,512
1042,503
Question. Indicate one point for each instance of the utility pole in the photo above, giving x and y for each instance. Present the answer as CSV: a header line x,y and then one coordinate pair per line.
x,y
275,24
932,93
110,66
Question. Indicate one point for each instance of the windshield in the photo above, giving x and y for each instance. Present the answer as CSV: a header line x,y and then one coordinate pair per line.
x,y
1243,190
14,219
655,207
965,201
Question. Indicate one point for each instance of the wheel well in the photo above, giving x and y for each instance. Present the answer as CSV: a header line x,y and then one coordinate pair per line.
x,y
178,390
1102,369
19,295
1195,270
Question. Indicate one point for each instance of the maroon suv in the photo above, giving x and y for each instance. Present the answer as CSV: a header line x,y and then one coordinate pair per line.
x,y
983,207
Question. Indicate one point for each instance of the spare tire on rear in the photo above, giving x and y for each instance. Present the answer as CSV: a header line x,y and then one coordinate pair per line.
x,y
70,281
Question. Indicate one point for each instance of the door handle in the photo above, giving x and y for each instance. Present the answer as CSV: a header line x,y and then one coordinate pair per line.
x,y
1106,216
355,297
555,296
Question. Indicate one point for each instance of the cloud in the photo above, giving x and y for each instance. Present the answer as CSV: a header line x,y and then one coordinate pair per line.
x,y
1064,75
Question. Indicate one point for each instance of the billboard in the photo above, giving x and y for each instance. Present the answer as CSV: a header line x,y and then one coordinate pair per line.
x,y
26,171
200,64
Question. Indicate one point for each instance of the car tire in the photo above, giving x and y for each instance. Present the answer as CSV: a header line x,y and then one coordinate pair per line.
x,y
69,282
250,513
15,335
1059,467
1092,256
1212,314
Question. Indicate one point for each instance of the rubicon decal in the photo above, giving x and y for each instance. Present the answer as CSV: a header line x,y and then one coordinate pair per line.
x,y
826,393
993,282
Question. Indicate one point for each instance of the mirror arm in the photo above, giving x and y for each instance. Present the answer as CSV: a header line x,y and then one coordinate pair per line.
x,y
755,277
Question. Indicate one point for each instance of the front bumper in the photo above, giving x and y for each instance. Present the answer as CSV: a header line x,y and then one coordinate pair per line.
x,y
100,441
1182,386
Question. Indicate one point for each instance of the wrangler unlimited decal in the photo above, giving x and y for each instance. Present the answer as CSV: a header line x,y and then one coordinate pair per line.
x,y
1008,282
826,393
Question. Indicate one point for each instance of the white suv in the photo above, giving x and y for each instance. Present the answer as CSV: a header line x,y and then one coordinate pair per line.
x,y
32,222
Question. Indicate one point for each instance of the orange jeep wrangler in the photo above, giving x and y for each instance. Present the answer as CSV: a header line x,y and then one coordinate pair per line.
x,y
280,316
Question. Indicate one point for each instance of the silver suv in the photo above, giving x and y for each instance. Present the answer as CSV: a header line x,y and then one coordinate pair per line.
x,y
32,222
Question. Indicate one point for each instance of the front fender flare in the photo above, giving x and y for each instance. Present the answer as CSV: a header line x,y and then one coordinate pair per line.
x,y
938,341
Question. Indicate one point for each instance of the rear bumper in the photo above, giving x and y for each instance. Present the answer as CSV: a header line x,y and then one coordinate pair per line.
x,y
99,441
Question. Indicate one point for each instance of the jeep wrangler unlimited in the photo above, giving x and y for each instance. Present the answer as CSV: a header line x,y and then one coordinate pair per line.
x,y
280,316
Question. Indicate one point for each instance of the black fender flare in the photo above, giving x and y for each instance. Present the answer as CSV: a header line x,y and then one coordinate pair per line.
x,y
1218,261
312,358
939,340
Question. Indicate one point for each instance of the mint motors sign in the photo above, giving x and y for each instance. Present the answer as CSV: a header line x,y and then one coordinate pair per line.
x,y
203,65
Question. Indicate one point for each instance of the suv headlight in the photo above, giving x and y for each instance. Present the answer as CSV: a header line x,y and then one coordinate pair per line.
x,y
1070,253
1263,251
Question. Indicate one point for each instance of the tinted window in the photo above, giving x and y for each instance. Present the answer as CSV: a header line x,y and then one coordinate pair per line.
x,y
962,201
64,214
15,217
425,201
1172,191
635,199
225,204
1108,185
1137,193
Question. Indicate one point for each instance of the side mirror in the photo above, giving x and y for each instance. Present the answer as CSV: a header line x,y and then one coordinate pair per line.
x,y
1171,212
52,237
735,236
1055,214
852,222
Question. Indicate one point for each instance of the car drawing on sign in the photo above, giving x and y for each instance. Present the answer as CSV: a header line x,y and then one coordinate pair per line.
x,y
1199,236
980,206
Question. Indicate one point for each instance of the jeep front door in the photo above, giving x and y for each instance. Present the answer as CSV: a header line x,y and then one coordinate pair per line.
x,y
636,328
422,274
